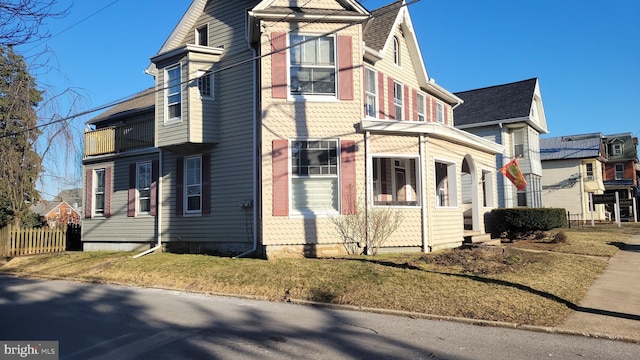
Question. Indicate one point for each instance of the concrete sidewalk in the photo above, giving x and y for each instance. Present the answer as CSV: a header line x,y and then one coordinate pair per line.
x,y
611,307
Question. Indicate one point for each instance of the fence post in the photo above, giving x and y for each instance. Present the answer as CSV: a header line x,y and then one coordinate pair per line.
x,y
569,218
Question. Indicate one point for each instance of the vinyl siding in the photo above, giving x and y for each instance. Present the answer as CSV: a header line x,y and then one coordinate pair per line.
x,y
173,132
317,4
561,185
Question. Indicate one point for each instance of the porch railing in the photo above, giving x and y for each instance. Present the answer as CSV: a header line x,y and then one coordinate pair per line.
x,y
115,139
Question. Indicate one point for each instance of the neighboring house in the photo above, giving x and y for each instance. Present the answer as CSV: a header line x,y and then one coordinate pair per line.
x,y
620,170
572,168
265,124
512,115
62,214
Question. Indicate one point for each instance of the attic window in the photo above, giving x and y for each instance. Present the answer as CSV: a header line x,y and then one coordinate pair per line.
x,y
396,51
616,149
202,35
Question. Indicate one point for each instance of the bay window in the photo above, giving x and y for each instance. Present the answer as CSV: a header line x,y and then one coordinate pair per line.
x,y
173,97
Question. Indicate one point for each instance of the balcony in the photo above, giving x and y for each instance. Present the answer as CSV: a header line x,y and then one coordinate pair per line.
x,y
117,139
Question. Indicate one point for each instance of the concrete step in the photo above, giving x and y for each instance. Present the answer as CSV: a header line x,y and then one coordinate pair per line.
x,y
481,239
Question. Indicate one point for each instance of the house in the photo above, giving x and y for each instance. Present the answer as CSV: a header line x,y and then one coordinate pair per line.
x,y
271,118
63,210
512,115
620,170
572,168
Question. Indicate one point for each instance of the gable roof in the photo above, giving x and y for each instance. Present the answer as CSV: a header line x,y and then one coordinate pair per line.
x,y
380,26
498,103
140,102
563,147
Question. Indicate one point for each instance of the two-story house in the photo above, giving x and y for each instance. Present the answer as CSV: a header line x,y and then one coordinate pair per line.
x,y
512,115
269,119
620,174
572,168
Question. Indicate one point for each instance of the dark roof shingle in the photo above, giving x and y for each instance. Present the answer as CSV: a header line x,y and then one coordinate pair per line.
x,y
144,100
378,28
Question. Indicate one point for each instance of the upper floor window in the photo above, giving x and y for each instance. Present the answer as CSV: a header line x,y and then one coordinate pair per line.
x,y
202,35
518,143
396,51
397,100
314,182
205,87
98,192
143,187
193,184
173,93
440,113
589,171
619,169
312,65
616,149
421,110
370,106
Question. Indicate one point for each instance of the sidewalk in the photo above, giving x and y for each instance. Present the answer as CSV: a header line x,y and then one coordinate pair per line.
x,y
611,307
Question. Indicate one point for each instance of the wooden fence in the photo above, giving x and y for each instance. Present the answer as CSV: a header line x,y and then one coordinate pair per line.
x,y
16,241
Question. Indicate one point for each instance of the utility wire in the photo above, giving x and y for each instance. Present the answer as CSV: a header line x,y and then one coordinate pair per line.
x,y
144,93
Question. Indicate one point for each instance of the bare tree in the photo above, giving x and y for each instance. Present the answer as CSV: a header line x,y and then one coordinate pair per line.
x,y
21,20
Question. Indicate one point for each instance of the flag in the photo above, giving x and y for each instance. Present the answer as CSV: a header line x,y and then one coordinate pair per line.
x,y
512,171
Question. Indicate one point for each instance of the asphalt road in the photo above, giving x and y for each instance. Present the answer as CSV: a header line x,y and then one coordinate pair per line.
x,y
93,321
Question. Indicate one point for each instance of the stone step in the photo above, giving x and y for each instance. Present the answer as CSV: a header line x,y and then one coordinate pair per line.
x,y
481,239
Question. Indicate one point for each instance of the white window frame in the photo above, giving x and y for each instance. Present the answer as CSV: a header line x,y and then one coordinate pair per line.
x,y
371,93
296,179
421,99
170,91
519,194
396,51
197,184
398,100
205,86
452,184
617,172
488,183
516,144
139,188
589,173
440,112
397,162
97,173
616,149
198,30
307,38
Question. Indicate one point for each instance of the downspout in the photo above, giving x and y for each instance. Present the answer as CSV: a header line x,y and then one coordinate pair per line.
x,y
159,212
368,189
423,196
255,162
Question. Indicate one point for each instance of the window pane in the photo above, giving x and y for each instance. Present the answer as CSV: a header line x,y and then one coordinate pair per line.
x,y
315,194
99,206
193,203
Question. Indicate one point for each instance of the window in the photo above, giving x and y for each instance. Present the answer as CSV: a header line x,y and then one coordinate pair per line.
x,y
173,93
313,66
314,180
143,187
57,210
619,169
98,192
193,184
487,188
616,149
445,184
396,51
395,181
370,107
589,171
68,211
521,198
397,100
421,111
440,113
518,143
204,85
202,36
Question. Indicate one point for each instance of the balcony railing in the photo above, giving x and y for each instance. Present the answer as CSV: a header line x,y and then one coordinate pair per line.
x,y
116,139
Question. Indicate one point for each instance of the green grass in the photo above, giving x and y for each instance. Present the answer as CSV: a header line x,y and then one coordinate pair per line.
x,y
505,284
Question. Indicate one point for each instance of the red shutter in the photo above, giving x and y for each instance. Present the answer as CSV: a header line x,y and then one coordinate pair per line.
x,y
206,184
280,181
108,190
131,196
345,68
406,104
154,187
427,108
179,185
279,65
392,109
434,115
348,176
445,109
88,195
381,95
415,104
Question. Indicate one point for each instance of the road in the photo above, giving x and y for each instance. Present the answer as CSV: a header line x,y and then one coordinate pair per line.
x,y
93,321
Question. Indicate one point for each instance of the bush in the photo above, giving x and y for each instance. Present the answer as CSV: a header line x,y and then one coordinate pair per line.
x,y
513,223
560,237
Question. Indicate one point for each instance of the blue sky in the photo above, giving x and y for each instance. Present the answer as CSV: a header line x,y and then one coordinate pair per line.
x,y
586,53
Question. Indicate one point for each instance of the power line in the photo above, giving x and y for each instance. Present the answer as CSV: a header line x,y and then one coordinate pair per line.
x,y
144,93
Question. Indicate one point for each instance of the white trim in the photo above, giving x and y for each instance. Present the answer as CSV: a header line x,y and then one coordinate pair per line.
x,y
452,183
375,93
313,97
167,119
197,35
137,199
185,199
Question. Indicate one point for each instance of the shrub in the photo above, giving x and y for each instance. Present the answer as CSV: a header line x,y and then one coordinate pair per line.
x,y
513,223
560,237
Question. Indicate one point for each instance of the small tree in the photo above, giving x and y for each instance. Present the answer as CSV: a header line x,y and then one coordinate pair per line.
x,y
383,221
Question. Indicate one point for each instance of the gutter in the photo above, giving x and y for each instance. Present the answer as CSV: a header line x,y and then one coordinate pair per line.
x,y
159,212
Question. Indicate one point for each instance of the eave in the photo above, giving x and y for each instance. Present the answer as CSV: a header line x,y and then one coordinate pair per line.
x,y
189,48
503,122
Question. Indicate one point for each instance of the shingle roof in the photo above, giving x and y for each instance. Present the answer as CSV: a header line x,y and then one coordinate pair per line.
x,y
144,100
560,148
378,28
499,102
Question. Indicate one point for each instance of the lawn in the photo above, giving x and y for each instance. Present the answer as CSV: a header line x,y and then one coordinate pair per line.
x,y
509,283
